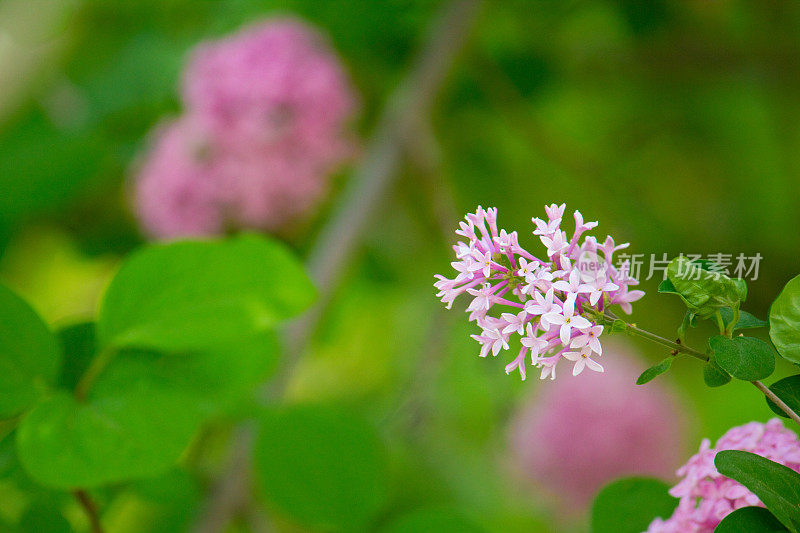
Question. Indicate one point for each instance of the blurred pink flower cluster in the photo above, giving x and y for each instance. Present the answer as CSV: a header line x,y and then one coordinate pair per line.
x,y
706,496
265,125
576,435
556,300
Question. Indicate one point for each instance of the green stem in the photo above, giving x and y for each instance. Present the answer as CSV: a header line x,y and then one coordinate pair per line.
x,y
734,321
675,346
681,348
96,368
721,324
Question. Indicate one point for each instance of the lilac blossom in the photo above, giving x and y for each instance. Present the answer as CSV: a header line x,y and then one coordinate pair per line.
x,y
574,436
176,191
554,305
265,125
276,84
706,496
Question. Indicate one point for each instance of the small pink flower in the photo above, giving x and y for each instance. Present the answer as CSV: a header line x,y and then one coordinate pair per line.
x,y
573,284
589,337
491,339
483,297
597,288
534,343
516,322
483,262
546,228
544,305
466,268
583,359
555,244
506,241
567,320
555,212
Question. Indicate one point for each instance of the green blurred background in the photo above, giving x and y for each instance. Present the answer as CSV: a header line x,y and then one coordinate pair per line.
x,y
672,123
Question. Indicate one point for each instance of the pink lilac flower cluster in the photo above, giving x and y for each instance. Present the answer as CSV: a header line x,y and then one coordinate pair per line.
x,y
706,496
552,304
265,125
610,412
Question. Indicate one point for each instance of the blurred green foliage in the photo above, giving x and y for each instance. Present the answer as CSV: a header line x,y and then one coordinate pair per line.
x,y
673,124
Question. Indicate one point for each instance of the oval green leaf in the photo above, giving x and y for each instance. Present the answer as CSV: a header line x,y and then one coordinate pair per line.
x,y
703,291
79,345
217,376
714,375
788,390
776,485
194,294
169,501
750,520
746,320
784,321
629,505
618,326
30,355
666,287
129,429
654,371
323,467
745,358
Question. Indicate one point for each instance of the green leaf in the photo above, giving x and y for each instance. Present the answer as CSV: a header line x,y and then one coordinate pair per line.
x,y
618,325
666,287
323,467
433,521
217,376
714,375
170,501
784,321
751,520
746,320
629,505
788,390
44,517
745,358
741,288
78,343
191,295
130,428
654,371
776,485
703,291
689,319
29,355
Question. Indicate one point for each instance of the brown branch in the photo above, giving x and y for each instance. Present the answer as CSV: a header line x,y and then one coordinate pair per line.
x,y
367,190
341,236
777,401
90,508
